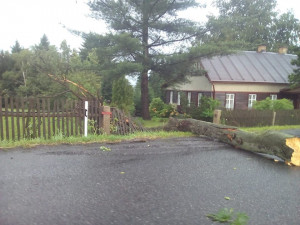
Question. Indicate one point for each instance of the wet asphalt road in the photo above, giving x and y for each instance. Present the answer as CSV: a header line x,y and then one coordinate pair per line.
x,y
175,181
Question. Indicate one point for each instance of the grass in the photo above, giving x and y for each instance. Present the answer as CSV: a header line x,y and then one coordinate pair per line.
x,y
154,122
60,139
262,129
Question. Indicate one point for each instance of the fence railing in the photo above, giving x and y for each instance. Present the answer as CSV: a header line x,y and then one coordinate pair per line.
x,y
44,118
250,118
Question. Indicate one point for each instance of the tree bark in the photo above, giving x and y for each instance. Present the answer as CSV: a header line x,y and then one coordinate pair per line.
x,y
144,75
284,146
145,96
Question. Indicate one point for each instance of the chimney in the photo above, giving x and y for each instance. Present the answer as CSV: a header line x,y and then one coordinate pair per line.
x,y
261,48
283,50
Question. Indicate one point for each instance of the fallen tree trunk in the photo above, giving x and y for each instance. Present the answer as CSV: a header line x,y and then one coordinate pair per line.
x,y
284,146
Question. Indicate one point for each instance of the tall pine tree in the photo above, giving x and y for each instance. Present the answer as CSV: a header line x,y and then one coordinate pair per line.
x,y
142,28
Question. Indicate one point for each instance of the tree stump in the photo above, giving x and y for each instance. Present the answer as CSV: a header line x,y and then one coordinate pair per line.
x,y
284,146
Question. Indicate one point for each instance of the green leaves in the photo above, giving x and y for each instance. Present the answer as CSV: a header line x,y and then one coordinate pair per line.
x,y
228,216
122,94
268,104
105,149
223,215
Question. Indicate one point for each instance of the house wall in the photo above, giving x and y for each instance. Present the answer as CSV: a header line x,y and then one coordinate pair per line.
x,y
194,96
242,91
249,87
241,99
219,90
197,84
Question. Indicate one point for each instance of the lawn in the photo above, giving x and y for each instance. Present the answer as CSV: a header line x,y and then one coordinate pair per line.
x,y
60,139
154,122
262,129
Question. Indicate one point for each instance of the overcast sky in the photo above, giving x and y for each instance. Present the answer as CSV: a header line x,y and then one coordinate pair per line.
x,y
27,20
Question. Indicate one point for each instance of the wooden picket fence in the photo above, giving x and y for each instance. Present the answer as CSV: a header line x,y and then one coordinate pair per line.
x,y
22,118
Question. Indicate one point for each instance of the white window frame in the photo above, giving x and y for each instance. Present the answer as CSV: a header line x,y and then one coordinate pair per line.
x,y
199,98
189,94
229,101
251,98
273,97
178,98
171,97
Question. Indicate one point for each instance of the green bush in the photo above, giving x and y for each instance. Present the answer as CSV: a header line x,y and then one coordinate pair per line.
x,y
158,108
206,109
122,95
268,104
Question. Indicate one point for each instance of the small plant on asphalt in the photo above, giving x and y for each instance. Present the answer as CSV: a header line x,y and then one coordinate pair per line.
x,y
228,216
105,149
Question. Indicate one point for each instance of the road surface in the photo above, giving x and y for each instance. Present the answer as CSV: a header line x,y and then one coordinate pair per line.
x,y
173,181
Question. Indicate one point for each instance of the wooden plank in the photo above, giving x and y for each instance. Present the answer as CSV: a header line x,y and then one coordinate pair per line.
x,y
38,107
53,118
44,117
63,109
67,118
100,116
76,117
33,118
91,119
72,117
48,116
81,117
1,120
6,118
28,115
58,117
23,118
17,103
12,119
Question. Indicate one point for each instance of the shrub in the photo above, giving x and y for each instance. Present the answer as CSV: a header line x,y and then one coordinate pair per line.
x,y
122,95
206,109
268,104
159,109
156,106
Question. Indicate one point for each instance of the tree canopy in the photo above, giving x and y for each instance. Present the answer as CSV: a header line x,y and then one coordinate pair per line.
x,y
141,33
250,23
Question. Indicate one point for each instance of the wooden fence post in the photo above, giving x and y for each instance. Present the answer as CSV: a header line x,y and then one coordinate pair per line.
x,y
217,116
274,118
106,119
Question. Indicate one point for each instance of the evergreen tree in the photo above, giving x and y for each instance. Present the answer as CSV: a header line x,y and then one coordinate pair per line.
x,y
6,62
44,43
294,78
16,48
141,30
122,94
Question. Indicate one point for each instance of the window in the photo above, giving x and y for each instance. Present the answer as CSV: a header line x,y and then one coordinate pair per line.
x,y
199,98
189,98
171,97
251,99
178,98
229,101
273,97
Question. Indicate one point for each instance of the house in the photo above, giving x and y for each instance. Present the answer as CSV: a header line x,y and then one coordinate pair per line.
x,y
237,80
